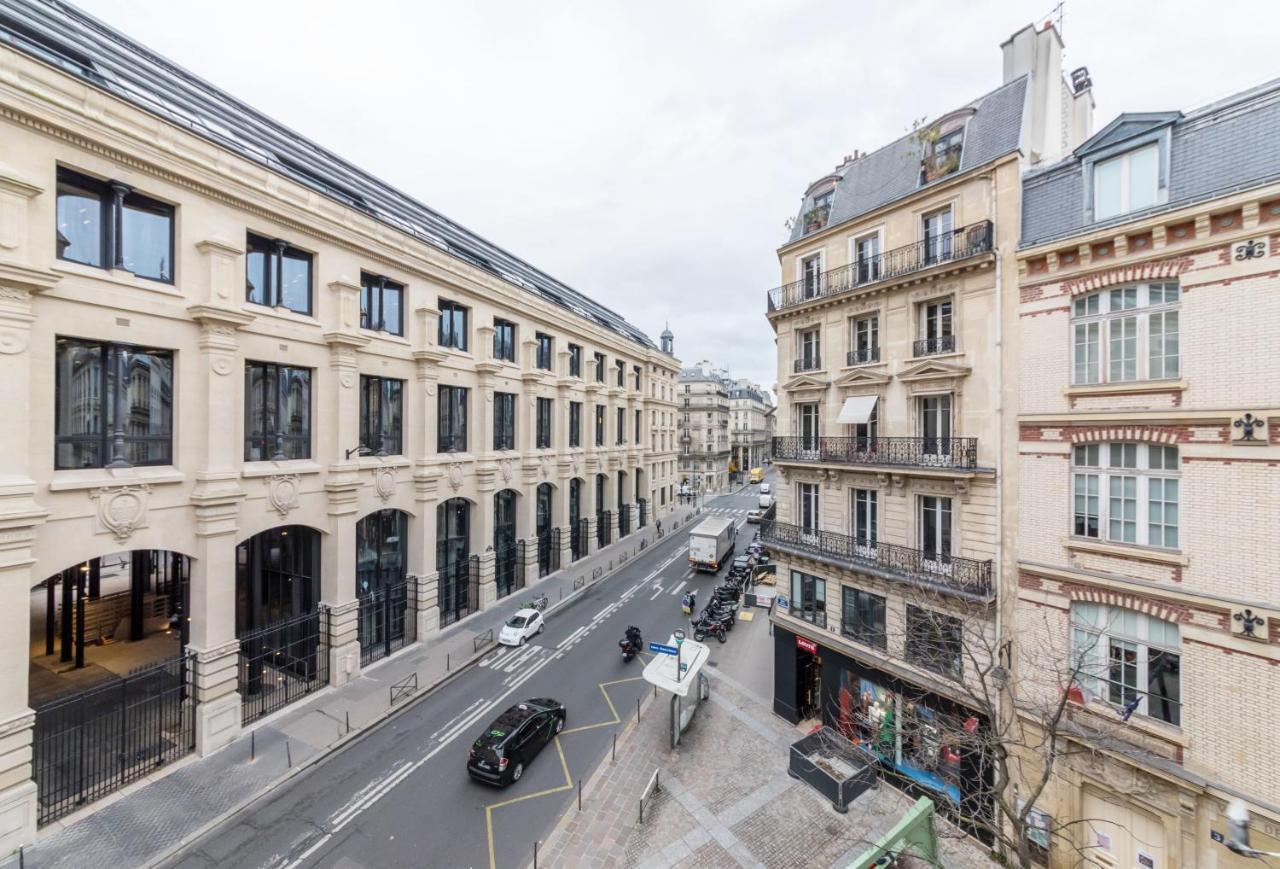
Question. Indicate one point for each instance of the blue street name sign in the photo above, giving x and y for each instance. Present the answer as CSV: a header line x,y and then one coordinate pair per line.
x,y
660,649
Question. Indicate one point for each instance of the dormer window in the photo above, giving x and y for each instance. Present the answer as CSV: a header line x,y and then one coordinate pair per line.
x,y
1126,183
943,146
816,217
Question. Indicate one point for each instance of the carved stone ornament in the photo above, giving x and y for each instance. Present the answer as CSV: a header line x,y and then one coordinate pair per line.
x,y
221,365
506,467
122,509
1250,430
455,476
1249,625
12,341
573,467
384,483
282,493
546,467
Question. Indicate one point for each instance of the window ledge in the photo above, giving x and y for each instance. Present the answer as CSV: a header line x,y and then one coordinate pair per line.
x,y
117,276
1148,726
282,314
383,335
288,466
1127,550
79,479
396,461
1126,388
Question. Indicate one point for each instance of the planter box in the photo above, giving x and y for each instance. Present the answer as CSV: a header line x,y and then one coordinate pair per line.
x,y
830,764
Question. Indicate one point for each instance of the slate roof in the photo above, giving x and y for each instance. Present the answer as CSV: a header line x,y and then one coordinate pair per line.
x,y
1231,144
65,37
893,172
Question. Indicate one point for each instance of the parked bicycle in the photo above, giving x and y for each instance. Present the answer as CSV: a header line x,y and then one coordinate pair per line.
x,y
539,603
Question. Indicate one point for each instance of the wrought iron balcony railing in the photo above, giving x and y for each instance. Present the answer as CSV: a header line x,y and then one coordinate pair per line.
x,y
808,363
945,453
965,242
934,346
863,356
935,570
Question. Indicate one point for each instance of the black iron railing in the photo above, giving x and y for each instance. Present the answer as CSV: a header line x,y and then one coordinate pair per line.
x,y
383,627
507,572
934,346
807,363
946,453
863,356
458,589
624,520
548,551
644,512
920,567
88,744
580,543
281,663
604,527
965,242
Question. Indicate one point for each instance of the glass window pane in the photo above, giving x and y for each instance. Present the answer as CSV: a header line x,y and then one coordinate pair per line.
x,y
148,379
1106,189
255,276
80,421
295,285
146,239
1142,178
295,412
80,227
1164,685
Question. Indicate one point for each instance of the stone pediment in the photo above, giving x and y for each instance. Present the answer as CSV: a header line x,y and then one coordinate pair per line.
x,y
806,383
934,370
867,376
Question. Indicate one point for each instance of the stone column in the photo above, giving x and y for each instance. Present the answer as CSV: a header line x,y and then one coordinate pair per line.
x,y
560,509
482,530
421,419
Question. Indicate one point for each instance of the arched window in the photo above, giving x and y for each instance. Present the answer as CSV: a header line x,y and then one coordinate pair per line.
x,y
458,594
1127,658
504,541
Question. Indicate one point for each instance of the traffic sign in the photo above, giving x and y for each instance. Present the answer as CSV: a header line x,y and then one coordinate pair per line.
x,y
679,635
660,649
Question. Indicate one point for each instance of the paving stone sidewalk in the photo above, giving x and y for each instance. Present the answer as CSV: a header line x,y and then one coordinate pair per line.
x,y
726,799
142,824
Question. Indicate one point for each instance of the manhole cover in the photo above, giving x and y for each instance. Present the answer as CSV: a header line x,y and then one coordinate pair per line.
x,y
713,663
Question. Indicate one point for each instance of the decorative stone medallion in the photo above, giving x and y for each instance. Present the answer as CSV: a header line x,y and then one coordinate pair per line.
x,y
384,483
122,509
455,476
282,493
506,467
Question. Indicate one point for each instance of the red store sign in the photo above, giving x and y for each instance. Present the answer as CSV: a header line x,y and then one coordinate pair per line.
x,y
806,645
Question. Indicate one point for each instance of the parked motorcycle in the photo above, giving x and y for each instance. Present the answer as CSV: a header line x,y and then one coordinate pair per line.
x,y
702,630
631,644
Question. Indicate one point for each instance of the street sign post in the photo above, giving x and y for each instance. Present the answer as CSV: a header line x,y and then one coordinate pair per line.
x,y
679,637
662,649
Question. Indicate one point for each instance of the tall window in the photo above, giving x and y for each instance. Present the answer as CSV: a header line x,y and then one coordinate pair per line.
x,y
1126,183
935,642
544,351
811,276
114,405
865,433
453,325
277,412
936,229
866,341
807,501
575,423
935,529
1128,658
600,362
635,376
936,334
620,372
621,425
381,304
866,254
381,414
504,421
599,425
575,360
1128,490
1126,333
451,415
862,617
808,349
545,409
638,429
277,274
807,425
809,598
504,340
106,224
865,516
934,413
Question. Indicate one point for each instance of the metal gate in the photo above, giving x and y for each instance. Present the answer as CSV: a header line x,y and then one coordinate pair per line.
x,y
644,511
624,521
89,744
459,590
604,527
580,540
383,627
508,568
282,663
549,552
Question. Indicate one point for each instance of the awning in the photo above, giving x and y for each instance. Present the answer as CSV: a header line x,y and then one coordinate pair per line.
x,y
857,409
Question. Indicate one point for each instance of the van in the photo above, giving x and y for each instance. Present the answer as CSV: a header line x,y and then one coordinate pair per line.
x,y
764,488
757,475
766,501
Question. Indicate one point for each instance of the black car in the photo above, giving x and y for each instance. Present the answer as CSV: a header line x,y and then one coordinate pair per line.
x,y
514,739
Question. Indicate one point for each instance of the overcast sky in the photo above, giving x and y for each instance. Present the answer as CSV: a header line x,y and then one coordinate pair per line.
x,y
649,153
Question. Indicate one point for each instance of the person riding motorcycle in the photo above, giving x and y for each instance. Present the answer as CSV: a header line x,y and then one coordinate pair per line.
x,y
631,642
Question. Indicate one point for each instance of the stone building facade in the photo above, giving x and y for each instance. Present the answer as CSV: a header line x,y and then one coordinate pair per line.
x,y
294,418
748,432
1149,464
702,405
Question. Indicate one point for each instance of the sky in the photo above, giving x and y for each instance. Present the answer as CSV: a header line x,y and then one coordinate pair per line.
x,y
649,153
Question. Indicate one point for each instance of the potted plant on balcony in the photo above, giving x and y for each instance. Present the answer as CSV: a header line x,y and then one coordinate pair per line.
x,y
814,219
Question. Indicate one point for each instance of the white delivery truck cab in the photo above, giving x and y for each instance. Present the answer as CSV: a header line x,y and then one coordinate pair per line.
x,y
711,544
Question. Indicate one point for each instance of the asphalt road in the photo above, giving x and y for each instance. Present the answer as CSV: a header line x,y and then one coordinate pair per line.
x,y
401,796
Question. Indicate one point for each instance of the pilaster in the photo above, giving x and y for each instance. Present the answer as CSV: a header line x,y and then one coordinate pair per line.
x,y
212,626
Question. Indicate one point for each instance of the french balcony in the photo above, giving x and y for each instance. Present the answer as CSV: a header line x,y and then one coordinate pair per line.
x,y
968,241
935,571
953,454
807,363
863,356
934,346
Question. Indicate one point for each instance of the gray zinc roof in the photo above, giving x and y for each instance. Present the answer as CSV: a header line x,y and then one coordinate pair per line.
x,y
1232,144
63,36
893,172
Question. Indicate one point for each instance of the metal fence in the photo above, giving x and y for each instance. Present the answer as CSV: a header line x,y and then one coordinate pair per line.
x,y
282,663
624,521
459,590
508,568
580,542
644,512
549,552
383,627
604,527
94,742
954,453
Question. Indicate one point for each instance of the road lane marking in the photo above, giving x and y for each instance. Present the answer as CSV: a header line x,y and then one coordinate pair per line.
x,y
515,661
455,718
571,637
676,590
656,593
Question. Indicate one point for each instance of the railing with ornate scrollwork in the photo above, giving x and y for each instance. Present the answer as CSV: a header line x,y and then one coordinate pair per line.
x,y
965,242
943,453
862,356
952,573
934,346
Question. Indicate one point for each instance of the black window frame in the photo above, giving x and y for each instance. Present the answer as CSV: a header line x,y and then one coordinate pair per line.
x,y
862,625
639,426
114,197
601,364
452,407
504,346
275,251
273,443
575,360
108,395
386,390
575,424
932,639
373,289
542,435
600,424
504,420
620,368
451,335
545,355
636,373
621,425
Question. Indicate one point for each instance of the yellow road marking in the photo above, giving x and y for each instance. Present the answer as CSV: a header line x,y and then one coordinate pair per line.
x,y
746,616
564,765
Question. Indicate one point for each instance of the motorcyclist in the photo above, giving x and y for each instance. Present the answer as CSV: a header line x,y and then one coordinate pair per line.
x,y
632,639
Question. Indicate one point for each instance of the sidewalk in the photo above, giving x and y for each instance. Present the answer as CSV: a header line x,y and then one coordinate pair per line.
x,y
144,823
726,799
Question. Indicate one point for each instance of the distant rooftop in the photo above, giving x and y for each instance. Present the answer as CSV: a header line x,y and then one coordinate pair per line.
x,y
80,45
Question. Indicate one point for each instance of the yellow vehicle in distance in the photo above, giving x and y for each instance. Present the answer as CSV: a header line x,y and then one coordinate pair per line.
x,y
757,475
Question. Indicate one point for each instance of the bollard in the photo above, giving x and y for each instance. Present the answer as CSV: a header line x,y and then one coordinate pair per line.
x,y
562,592
579,794
637,710
535,854
448,665
253,745
615,746
348,721
22,857
288,752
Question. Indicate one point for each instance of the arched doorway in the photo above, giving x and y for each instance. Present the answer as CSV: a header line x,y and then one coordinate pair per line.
x,y
457,573
548,540
624,509
577,523
277,620
507,572
604,519
381,585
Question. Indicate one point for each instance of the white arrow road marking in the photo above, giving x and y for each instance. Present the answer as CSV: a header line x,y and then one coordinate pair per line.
x,y
676,590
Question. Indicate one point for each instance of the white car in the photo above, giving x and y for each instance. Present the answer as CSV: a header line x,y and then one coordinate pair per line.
x,y
764,488
520,627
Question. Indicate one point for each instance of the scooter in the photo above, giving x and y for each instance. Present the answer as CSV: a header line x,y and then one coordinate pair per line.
x,y
631,645
702,630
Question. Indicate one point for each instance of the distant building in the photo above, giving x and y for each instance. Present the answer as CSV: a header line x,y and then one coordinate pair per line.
x,y
748,431
702,408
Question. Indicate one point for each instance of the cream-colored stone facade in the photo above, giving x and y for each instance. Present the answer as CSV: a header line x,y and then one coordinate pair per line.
x,y
1213,586
748,432
702,402
210,498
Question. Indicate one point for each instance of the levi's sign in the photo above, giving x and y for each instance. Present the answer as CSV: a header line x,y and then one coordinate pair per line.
x,y
802,643
660,649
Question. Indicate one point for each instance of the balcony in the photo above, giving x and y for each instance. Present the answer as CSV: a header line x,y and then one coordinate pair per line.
x,y
934,346
963,243
863,356
807,363
950,454
950,574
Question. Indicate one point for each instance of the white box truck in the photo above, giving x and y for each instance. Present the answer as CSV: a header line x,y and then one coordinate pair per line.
x,y
711,543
